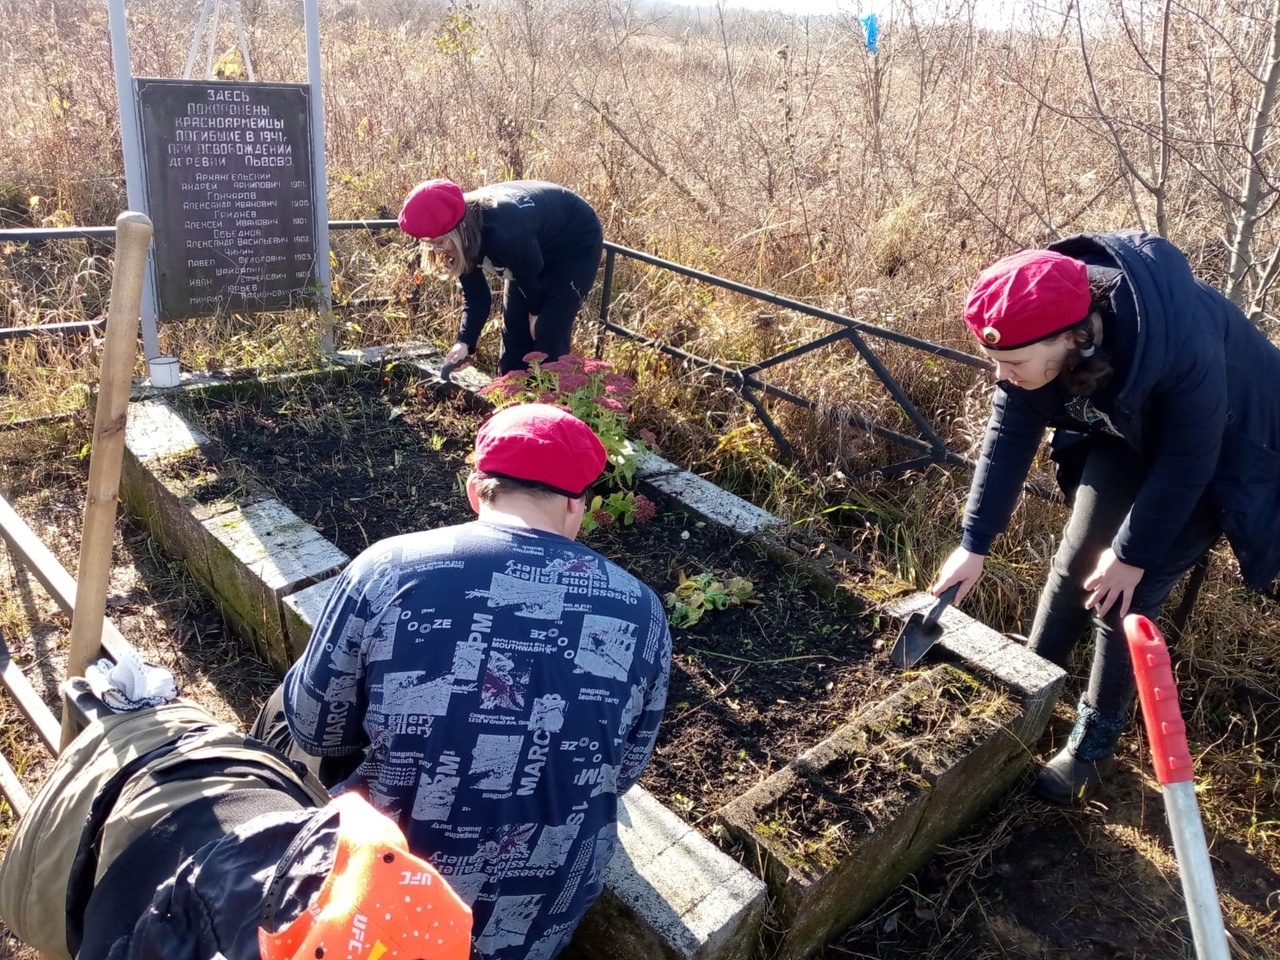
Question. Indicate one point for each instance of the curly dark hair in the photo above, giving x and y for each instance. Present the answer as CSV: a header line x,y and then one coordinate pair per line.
x,y
1088,368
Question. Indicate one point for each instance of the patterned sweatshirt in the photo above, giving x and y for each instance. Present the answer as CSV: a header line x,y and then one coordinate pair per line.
x,y
506,685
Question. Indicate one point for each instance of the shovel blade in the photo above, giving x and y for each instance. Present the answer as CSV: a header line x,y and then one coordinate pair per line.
x,y
914,640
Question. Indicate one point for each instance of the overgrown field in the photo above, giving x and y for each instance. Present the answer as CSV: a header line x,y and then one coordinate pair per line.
x,y
771,150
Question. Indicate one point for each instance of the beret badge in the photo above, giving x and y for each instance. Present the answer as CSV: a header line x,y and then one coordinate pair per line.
x,y
990,335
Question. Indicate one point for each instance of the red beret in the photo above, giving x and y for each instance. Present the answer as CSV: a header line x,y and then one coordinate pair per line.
x,y
1025,297
542,444
432,209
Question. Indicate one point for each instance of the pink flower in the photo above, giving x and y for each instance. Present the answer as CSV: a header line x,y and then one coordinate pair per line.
x,y
558,366
602,517
534,356
497,383
574,359
597,366
512,389
546,397
610,404
622,385
643,509
570,382
649,437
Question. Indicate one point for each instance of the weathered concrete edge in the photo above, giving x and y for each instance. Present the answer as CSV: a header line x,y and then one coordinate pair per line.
x,y
263,550
1037,681
814,902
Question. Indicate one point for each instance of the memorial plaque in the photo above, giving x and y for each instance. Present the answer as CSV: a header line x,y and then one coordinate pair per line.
x,y
230,189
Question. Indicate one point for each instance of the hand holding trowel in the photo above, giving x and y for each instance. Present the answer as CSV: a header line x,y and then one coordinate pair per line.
x,y
458,356
921,631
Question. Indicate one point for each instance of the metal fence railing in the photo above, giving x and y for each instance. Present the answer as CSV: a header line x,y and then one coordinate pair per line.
x,y
748,381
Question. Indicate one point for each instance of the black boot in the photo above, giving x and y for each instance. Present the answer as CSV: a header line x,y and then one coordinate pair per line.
x,y
1079,768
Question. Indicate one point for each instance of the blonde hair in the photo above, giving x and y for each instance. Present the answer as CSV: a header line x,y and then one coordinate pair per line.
x,y
462,250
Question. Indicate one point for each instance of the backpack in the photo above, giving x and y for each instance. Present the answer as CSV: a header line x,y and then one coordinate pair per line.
x,y
112,783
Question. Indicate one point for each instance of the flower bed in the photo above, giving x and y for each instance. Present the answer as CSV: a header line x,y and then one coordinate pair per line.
x,y
753,684
789,740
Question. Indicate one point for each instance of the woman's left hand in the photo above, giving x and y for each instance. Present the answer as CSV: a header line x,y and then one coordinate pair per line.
x,y
1112,579
533,325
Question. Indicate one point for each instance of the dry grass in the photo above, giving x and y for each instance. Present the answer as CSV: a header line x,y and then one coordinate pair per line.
x,y
764,148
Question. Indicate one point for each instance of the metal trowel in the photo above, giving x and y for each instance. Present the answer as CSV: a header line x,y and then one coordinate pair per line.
x,y
446,371
921,631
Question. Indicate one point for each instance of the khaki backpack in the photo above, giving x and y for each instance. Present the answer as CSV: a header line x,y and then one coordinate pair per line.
x,y
35,872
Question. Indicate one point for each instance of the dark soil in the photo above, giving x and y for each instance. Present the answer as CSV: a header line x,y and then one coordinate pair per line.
x,y
751,685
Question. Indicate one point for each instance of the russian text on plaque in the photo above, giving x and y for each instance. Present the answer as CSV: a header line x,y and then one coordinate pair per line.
x,y
230,189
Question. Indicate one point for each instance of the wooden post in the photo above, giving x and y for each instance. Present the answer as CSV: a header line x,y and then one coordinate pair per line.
x,y
119,353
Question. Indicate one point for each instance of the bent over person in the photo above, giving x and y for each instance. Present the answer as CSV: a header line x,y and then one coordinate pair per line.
x,y
162,832
498,683
543,240
1165,409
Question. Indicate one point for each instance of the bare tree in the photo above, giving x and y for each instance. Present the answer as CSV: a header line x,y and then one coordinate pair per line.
x,y
1185,93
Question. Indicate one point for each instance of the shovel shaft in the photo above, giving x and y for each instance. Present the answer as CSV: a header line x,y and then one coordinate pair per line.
x,y
1198,887
947,598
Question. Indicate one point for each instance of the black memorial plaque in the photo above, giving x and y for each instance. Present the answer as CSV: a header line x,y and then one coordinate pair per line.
x,y
230,189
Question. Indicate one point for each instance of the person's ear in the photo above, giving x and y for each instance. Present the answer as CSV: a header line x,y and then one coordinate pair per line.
x,y
473,497
575,511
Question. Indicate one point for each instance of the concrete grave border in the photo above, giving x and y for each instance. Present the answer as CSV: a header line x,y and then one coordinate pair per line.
x,y
669,892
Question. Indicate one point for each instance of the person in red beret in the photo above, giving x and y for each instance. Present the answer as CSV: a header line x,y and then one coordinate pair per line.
x,y
1165,411
494,686
542,239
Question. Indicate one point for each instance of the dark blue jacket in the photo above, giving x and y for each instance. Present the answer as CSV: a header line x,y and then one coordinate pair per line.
x,y
1200,403
531,228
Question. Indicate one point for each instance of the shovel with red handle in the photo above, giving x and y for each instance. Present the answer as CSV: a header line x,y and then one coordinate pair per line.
x,y
1168,736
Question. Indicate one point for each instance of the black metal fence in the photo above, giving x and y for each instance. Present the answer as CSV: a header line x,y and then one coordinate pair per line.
x,y
923,449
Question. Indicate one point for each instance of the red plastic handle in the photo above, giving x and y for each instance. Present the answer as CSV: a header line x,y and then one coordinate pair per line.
x,y
1159,698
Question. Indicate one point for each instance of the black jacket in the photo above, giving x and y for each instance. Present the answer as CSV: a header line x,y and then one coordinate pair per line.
x,y
1200,402
198,883
530,229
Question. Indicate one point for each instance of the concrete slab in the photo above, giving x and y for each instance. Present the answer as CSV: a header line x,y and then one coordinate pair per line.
x,y
256,556
1037,681
706,499
649,465
154,430
301,611
467,378
691,900
816,892
386,352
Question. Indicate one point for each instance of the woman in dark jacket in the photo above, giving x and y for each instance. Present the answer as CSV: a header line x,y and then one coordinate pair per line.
x,y
545,242
1165,405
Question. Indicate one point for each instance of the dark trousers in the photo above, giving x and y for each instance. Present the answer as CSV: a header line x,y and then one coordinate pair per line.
x,y
272,728
1112,473
567,283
